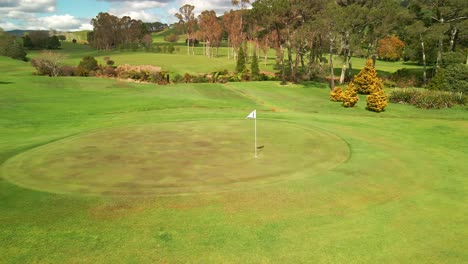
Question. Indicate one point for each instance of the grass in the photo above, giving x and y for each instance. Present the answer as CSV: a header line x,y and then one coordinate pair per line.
x,y
399,197
181,63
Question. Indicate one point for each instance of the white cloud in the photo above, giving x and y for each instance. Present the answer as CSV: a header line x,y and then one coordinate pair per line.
x,y
219,6
27,6
60,22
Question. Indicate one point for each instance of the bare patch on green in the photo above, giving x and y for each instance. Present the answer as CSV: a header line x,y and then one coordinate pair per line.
x,y
175,158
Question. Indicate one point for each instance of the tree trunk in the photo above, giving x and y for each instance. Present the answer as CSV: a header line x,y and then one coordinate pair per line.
x,y
424,60
439,54
283,68
453,35
332,74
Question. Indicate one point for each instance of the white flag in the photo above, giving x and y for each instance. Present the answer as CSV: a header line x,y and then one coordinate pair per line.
x,y
252,115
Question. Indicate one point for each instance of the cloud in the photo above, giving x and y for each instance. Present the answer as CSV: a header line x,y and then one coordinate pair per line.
x,y
219,6
27,6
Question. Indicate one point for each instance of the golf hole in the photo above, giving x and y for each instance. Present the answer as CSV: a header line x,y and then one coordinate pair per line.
x,y
176,158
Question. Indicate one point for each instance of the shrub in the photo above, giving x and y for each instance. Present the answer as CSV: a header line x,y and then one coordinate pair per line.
x,y
172,38
67,71
87,66
48,63
336,95
438,82
366,80
403,96
406,78
433,100
427,99
377,101
350,97
177,78
456,77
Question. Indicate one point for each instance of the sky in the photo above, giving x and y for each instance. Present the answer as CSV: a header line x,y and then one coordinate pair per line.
x,y
73,15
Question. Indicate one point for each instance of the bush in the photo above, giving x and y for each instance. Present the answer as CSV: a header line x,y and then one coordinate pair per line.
x,y
403,96
350,97
67,71
456,77
377,101
366,80
336,95
438,82
88,65
427,99
406,78
171,38
178,78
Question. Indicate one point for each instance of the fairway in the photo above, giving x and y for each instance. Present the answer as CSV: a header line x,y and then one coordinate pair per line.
x,y
97,170
175,158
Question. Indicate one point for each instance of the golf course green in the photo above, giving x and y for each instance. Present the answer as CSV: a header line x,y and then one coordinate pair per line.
x,y
175,158
96,170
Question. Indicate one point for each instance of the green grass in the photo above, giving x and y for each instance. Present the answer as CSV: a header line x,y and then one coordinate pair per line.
x,y
399,197
181,63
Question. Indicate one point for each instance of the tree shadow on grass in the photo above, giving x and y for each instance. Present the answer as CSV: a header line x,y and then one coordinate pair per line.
x,y
5,82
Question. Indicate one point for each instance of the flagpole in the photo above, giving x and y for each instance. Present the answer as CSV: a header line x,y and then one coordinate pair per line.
x,y
255,136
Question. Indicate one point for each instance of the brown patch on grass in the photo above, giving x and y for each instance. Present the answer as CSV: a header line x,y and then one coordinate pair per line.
x,y
118,209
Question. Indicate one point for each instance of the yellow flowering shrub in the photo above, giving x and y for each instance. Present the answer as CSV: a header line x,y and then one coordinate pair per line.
x,y
336,95
377,101
350,97
366,80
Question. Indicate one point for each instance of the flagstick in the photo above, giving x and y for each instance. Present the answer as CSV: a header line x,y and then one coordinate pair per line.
x,y
255,136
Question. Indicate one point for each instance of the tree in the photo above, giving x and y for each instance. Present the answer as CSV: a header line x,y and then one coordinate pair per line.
x,y
39,39
110,31
53,42
10,47
366,80
391,48
188,23
232,22
210,30
254,69
240,65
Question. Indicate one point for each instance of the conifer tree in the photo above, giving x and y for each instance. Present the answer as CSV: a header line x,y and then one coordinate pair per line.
x,y
336,95
254,66
377,101
240,66
366,80
350,97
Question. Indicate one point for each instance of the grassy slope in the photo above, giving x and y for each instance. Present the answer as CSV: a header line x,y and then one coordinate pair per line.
x,y
400,198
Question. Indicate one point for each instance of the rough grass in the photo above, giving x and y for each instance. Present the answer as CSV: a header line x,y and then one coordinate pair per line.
x,y
399,198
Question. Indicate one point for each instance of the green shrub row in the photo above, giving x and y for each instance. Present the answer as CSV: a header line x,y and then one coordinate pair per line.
x,y
427,99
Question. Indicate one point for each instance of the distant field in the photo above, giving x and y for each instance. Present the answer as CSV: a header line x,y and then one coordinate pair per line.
x,y
96,170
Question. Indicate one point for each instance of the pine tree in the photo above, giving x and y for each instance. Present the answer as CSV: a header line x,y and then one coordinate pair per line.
x,y
366,80
254,66
240,66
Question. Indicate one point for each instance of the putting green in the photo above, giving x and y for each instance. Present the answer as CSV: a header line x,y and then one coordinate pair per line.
x,y
176,158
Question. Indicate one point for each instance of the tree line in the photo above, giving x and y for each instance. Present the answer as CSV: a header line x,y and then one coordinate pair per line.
x,y
303,31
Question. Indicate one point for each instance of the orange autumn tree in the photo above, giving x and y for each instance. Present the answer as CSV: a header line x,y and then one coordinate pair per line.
x,y
391,48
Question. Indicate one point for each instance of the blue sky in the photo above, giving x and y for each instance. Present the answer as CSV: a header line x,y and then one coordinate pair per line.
x,y
71,15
